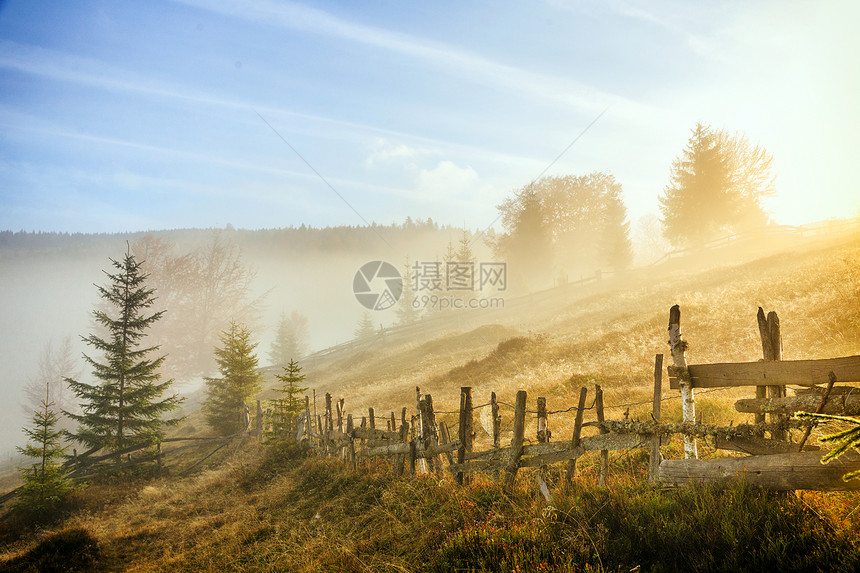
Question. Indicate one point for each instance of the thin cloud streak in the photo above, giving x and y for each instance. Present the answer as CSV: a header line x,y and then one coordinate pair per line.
x,y
289,15
60,66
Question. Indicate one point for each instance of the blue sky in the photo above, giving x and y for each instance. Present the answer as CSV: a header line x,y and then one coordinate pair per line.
x,y
125,116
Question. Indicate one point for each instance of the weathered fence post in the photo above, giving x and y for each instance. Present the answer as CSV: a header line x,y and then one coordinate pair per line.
x,y
654,465
329,423
258,423
688,404
419,428
372,418
497,421
400,459
517,439
465,429
351,438
434,433
497,430
543,434
604,454
425,433
445,438
577,431
771,346
363,442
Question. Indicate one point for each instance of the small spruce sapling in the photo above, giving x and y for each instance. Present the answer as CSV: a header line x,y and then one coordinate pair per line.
x,y
46,485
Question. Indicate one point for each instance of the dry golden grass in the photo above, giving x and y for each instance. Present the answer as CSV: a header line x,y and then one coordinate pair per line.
x,y
246,516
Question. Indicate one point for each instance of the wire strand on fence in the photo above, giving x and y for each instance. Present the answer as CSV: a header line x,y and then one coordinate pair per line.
x,y
606,407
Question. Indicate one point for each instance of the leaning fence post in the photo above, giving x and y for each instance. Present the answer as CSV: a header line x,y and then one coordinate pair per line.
x,y
445,438
604,454
688,404
654,466
517,440
577,431
465,429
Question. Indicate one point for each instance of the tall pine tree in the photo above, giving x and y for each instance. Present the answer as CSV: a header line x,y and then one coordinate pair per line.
x,y
45,483
227,396
125,409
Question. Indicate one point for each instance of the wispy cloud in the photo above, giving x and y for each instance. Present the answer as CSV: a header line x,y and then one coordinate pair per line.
x,y
293,16
64,67
385,151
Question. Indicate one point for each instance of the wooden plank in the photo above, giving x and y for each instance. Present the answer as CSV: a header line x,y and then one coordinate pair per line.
x,y
781,373
561,451
839,404
758,446
781,472
364,433
535,455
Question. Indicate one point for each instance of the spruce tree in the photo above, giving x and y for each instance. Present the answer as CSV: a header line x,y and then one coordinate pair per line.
x,y
125,408
290,404
45,483
227,396
365,329
290,340
406,311
717,184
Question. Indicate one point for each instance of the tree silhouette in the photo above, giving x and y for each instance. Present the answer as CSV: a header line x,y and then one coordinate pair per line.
x,y
716,184
291,339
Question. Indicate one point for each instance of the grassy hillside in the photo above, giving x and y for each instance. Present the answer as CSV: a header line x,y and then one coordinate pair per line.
x,y
255,508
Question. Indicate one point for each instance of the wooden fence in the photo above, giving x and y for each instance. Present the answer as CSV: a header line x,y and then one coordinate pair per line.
x,y
421,444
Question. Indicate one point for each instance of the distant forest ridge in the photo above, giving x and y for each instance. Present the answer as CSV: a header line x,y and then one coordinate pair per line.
x,y
302,239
